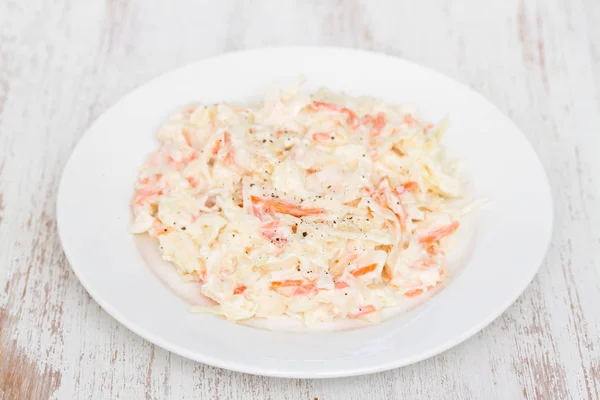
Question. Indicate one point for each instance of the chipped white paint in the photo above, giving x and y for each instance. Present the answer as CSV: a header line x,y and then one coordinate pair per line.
x,y
62,63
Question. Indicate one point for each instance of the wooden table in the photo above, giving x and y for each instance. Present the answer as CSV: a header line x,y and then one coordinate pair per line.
x,y
63,62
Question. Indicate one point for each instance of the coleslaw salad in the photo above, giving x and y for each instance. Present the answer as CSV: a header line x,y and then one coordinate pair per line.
x,y
317,206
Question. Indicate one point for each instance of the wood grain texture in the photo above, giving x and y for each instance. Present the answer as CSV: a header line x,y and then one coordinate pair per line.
x,y
62,63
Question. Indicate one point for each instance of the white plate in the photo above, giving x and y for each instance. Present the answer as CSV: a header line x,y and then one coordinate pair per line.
x,y
513,231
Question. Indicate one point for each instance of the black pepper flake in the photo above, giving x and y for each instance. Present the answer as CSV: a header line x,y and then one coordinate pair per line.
x,y
165,229
303,234
183,228
264,140
332,138
329,187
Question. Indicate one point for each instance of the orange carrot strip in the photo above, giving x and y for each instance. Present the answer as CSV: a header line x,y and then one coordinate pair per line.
x,y
348,113
337,269
286,208
386,274
363,270
323,137
417,292
353,203
362,311
414,292
439,233
378,124
341,285
309,288
193,182
410,120
160,229
286,283
216,147
186,136
240,289
143,195
271,224
410,186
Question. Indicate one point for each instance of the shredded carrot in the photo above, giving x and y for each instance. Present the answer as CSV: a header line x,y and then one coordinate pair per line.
x,y
362,311
227,139
160,228
271,224
348,113
386,273
387,197
414,292
337,269
353,203
410,186
363,270
439,233
286,208
286,283
143,195
197,276
417,292
193,182
367,190
309,288
431,249
312,171
216,147
410,120
423,264
378,124
275,237
229,158
323,137
341,285
240,289
186,136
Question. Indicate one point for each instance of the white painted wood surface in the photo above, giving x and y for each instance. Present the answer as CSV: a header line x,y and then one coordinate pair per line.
x,y
63,62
